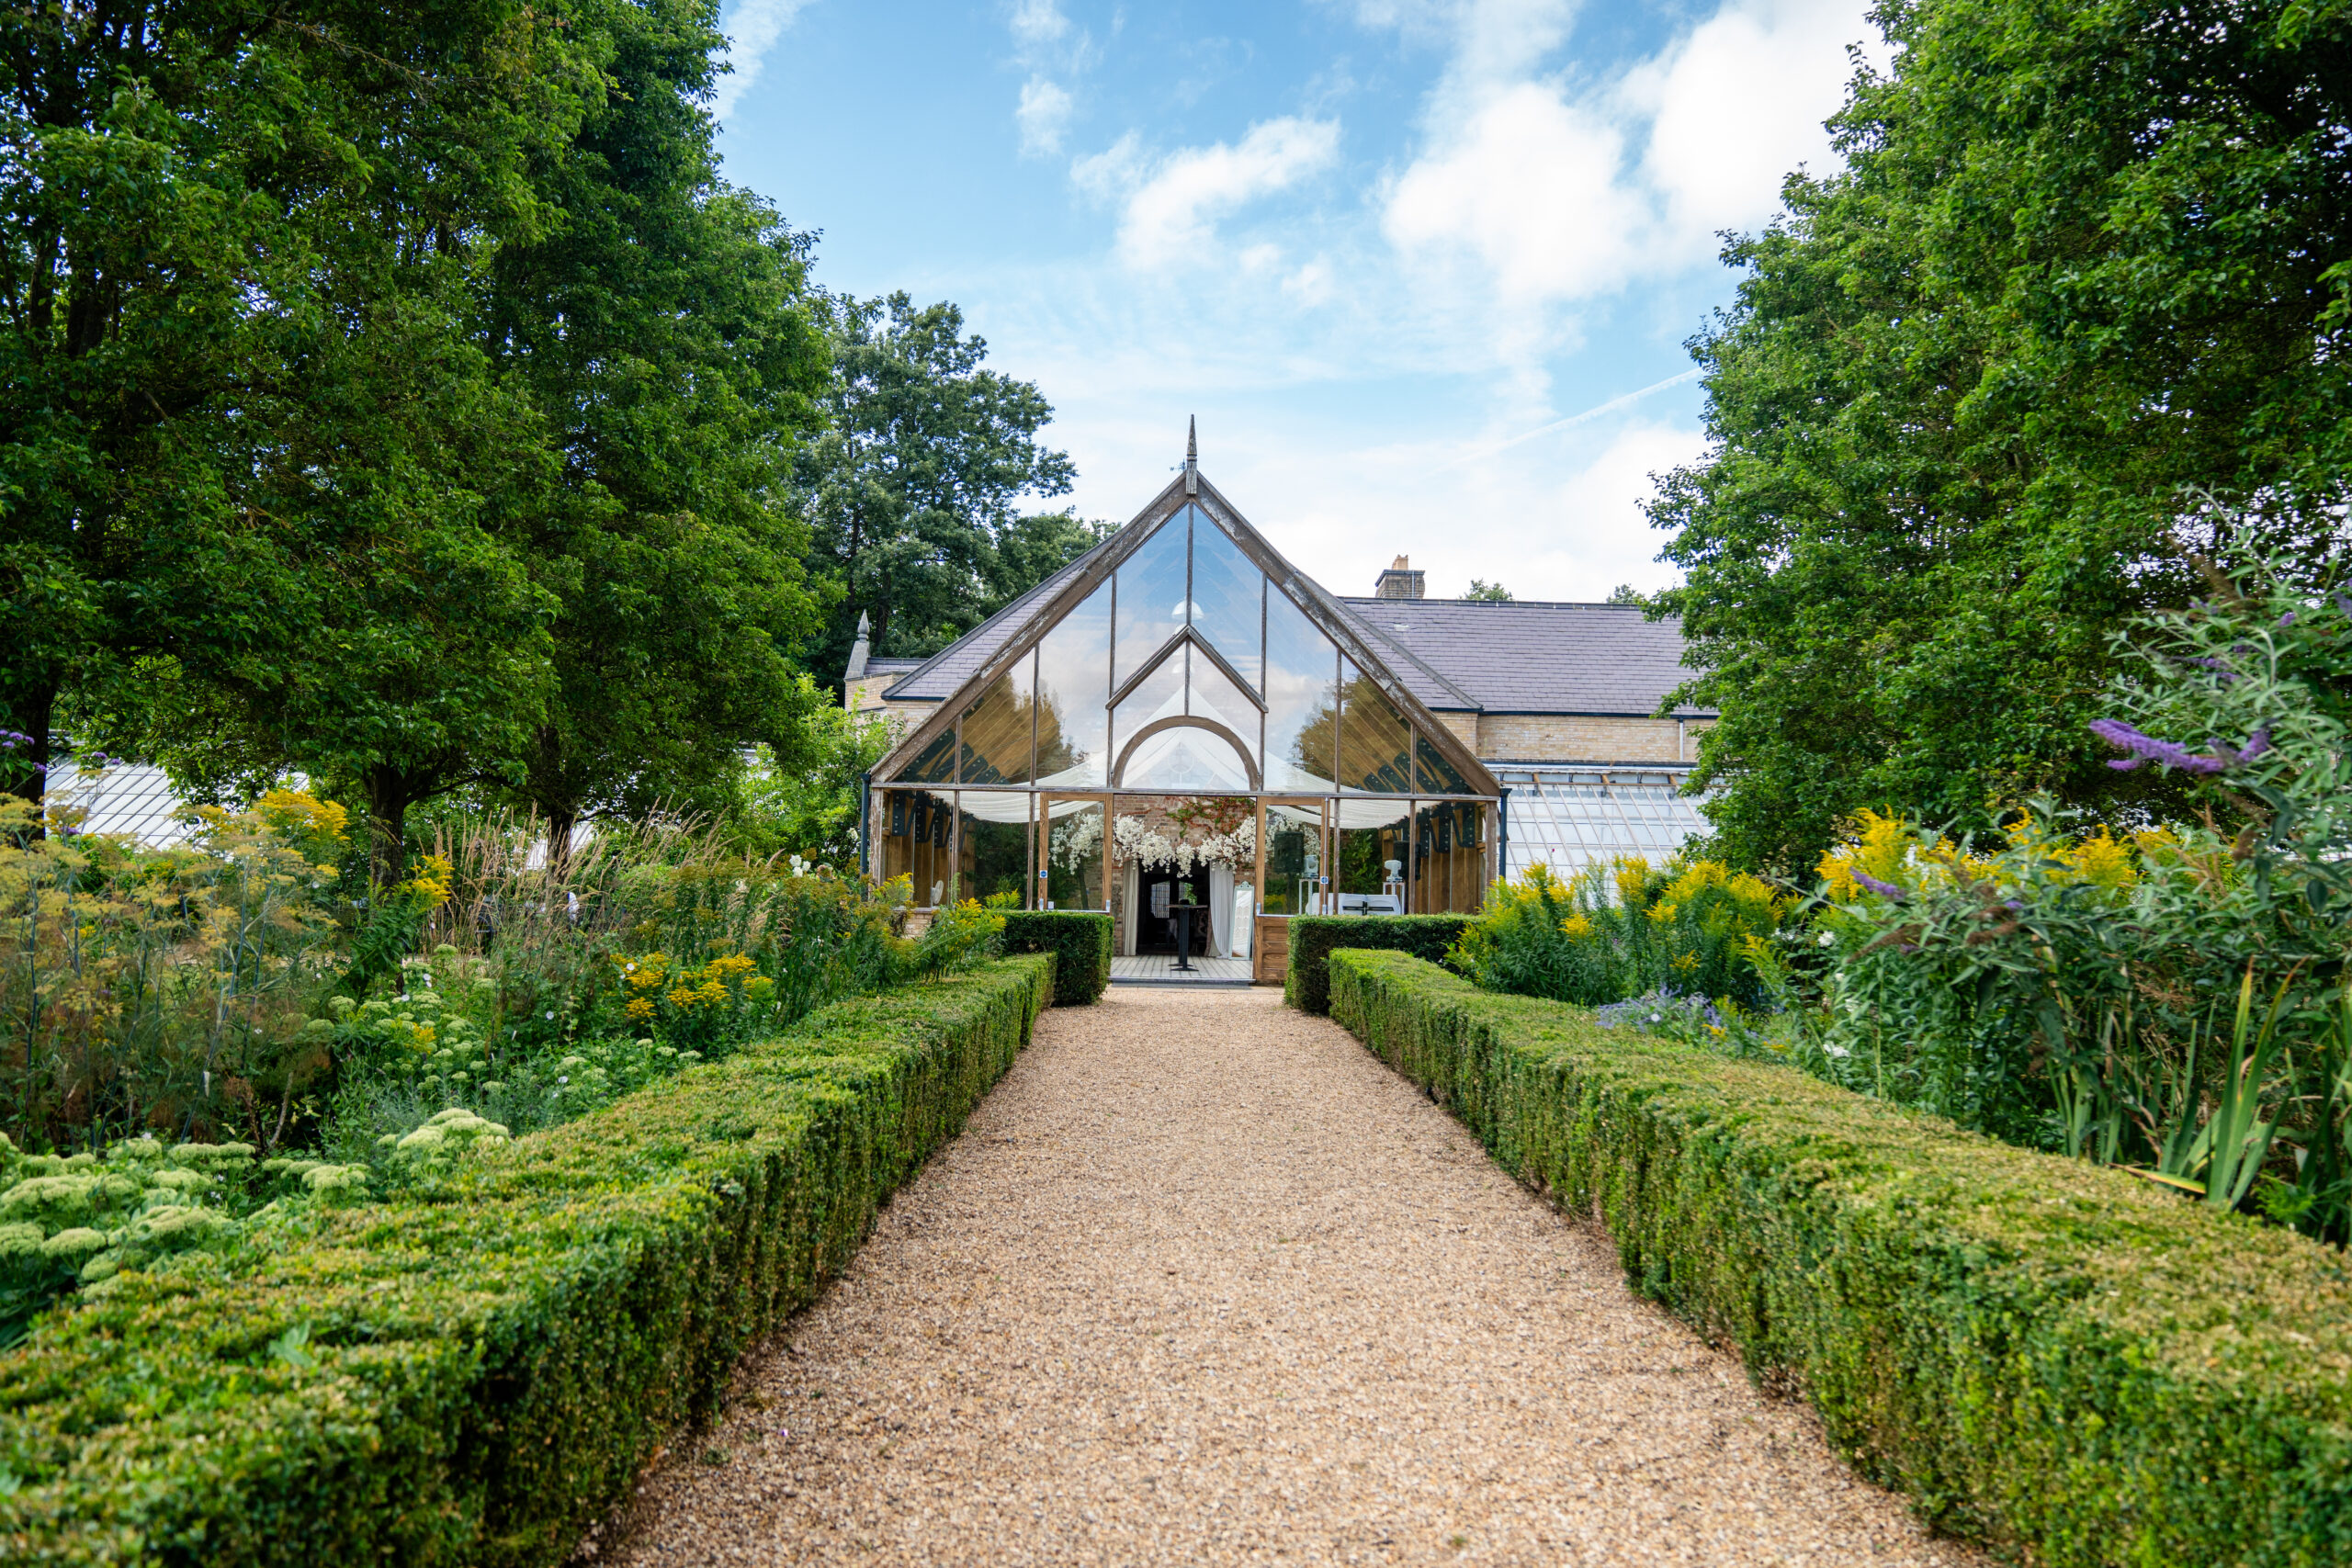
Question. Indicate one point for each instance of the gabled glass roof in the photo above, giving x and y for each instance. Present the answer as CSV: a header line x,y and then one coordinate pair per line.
x,y
1184,668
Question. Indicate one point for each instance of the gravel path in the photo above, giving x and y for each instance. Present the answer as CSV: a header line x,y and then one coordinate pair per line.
x,y
1202,1281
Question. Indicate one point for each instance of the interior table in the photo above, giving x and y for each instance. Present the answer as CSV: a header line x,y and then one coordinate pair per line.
x,y
1184,913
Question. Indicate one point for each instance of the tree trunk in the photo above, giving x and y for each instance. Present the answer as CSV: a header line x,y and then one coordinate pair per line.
x,y
390,792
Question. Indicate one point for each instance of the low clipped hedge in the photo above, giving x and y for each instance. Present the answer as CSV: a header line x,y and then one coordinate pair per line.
x,y
1080,942
476,1376
1306,983
2055,1358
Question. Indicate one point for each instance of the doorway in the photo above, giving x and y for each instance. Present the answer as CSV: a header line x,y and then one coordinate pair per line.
x,y
1158,893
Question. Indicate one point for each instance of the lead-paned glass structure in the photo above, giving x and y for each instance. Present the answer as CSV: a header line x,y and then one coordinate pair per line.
x,y
1568,819
1184,669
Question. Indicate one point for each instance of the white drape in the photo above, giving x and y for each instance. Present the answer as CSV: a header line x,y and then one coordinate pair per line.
x,y
1134,916
1245,920
1220,909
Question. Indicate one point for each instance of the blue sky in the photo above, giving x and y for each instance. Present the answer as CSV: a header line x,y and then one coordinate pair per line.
x,y
1422,270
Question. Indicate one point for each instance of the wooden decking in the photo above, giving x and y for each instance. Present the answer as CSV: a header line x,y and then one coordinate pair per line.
x,y
1159,968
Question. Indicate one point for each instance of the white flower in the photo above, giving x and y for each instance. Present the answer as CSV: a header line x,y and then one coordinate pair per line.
x,y
1828,940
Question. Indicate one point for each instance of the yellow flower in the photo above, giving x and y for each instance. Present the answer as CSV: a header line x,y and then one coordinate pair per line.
x,y
1576,925
639,1008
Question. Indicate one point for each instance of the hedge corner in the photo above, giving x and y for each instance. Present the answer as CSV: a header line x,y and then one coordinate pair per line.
x,y
1306,983
1080,942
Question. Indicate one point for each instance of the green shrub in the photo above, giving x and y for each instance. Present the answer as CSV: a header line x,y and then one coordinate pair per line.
x,y
477,1372
1305,984
2046,1355
1080,942
1615,930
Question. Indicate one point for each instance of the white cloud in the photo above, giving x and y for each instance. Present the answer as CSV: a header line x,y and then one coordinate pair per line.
x,y
1170,205
751,29
1043,115
1531,187
1541,189
1036,23
1738,104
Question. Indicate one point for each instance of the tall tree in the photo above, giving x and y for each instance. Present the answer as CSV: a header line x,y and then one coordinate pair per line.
x,y
243,427
910,489
2085,266
661,326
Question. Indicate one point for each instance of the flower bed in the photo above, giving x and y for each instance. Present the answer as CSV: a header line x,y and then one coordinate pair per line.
x,y
2046,1355
475,1372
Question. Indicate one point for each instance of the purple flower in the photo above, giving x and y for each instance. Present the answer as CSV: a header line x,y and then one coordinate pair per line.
x,y
2344,603
1883,889
2123,738
2287,619
2255,747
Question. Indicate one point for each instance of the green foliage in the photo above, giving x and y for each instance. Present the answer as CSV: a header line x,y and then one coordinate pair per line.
x,y
1307,983
2052,1358
1080,942
1487,593
802,800
2095,995
909,487
2081,266
1690,929
478,1370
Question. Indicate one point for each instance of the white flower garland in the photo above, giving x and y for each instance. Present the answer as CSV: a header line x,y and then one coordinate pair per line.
x,y
1148,847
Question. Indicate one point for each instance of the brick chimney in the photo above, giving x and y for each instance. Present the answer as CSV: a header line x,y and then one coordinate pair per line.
x,y
1399,581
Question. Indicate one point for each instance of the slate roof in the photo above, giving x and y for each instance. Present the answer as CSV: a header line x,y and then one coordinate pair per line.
x,y
1534,657
937,678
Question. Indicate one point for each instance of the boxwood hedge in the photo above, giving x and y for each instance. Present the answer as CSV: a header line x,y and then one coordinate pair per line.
x,y
2056,1358
1306,983
476,1375
1080,942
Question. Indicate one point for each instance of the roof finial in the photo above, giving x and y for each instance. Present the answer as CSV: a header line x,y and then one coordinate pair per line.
x,y
1192,454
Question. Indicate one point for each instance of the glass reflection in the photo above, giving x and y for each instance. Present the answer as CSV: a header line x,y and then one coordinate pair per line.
x,y
1074,855
1370,862
1302,698
1214,695
996,730
1448,856
935,763
918,831
1185,757
1374,744
1436,772
1293,860
1073,687
1228,595
1151,598
1160,695
992,844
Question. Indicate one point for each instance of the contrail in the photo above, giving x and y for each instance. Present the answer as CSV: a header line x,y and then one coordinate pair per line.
x,y
1612,406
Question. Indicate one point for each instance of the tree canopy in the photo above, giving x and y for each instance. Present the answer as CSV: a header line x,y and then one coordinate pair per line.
x,y
2079,292
909,489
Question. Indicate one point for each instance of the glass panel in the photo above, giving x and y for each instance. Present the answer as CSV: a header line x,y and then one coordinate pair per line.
x,y
1436,772
1214,695
996,730
1074,855
1450,856
935,763
1185,757
1159,696
1374,740
1228,594
916,829
1294,859
993,843
1151,598
1073,688
1302,698
1370,879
